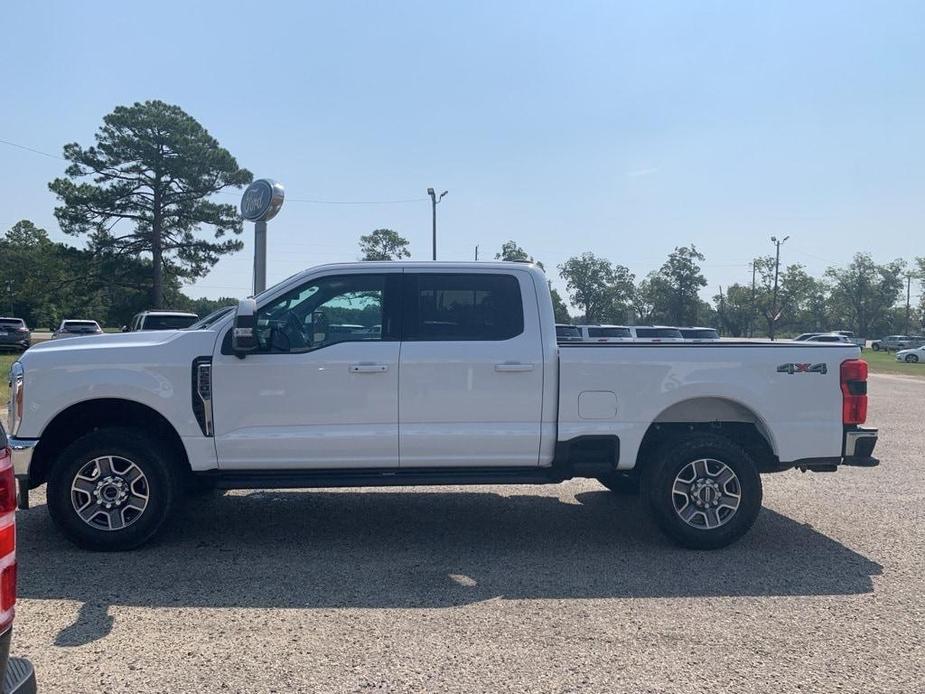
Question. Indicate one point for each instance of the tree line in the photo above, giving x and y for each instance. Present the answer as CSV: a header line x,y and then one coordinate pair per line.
x,y
864,296
45,282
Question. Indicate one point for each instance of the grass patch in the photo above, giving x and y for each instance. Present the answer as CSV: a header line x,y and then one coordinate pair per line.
x,y
885,363
6,360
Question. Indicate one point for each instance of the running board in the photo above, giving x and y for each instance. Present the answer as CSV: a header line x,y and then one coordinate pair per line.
x,y
375,477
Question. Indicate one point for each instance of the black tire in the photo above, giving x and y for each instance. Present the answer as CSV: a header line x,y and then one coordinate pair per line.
x,y
911,358
658,483
161,483
875,347
621,483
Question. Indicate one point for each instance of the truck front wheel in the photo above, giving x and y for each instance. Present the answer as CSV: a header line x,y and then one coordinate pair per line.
x,y
112,489
704,491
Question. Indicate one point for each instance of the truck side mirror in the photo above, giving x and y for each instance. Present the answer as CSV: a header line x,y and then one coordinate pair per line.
x,y
244,330
125,328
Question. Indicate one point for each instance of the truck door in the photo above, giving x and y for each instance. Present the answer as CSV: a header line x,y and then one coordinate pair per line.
x,y
471,386
322,389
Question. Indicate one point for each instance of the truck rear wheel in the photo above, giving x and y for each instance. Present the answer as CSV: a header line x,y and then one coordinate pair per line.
x,y
704,491
112,489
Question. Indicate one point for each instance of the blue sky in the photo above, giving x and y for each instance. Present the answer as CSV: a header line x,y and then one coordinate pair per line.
x,y
621,128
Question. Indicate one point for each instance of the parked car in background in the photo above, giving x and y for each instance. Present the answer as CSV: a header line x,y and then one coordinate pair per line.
x,y
892,343
605,333
697,334
16,674
567,333
76,328
911,356
830,337
216,315
160,320
15,333
656,333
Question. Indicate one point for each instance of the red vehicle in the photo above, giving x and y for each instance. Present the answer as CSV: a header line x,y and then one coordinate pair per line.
x,y
17,674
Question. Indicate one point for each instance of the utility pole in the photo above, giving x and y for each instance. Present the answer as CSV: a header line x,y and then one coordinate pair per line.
x,y
722,309
433,203
9,288
751,314
476,253
908,295
774,312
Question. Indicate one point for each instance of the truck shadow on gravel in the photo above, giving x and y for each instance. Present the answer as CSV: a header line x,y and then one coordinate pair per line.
x,y
320,549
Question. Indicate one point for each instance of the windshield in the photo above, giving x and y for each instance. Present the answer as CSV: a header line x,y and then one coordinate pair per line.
x,y
80,325
168,322
609,332
211,319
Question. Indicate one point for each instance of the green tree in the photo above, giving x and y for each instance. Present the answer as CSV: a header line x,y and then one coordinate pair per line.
x,y
154,168
510,251
865,291
920,263
49,280
384,244
676,286
733,310
796,293
603,290
559,309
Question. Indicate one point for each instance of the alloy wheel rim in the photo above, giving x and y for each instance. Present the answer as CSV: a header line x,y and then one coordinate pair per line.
x,y
706,494
109,493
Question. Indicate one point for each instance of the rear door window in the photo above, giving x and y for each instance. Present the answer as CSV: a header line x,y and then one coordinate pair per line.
x,y
657,332
609,332
700,334
471,306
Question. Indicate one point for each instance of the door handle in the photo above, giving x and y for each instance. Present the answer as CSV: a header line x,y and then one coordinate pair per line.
x,y
368,368
513,367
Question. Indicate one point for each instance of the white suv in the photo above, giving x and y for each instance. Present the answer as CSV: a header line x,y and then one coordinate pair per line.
x,y
605,333
656,333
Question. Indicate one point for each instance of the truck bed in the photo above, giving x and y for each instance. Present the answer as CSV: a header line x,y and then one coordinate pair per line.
x,y
792,391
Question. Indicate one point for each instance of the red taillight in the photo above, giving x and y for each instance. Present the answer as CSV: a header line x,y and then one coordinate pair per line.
x,y
7,483
7,539
854,391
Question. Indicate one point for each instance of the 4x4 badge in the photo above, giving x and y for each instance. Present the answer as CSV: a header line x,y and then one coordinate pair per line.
x,y
820,368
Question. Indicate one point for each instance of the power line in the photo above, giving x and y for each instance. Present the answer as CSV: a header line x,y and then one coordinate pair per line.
x,y
30,149
226,192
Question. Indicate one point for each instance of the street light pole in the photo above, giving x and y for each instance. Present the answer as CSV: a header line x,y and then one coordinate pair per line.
x,y
774,314
433,204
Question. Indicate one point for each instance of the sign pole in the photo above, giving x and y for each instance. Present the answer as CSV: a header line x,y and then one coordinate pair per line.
x,y
260,256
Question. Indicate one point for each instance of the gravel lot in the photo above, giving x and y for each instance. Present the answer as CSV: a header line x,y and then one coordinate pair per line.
x,y
490,589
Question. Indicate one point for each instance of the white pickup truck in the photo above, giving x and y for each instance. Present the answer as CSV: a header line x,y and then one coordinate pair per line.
x,y
410,373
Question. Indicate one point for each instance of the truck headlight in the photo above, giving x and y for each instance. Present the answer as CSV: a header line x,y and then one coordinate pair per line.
x,y
15,407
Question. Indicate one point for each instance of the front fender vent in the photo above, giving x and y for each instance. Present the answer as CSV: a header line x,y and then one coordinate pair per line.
x,y
202,394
